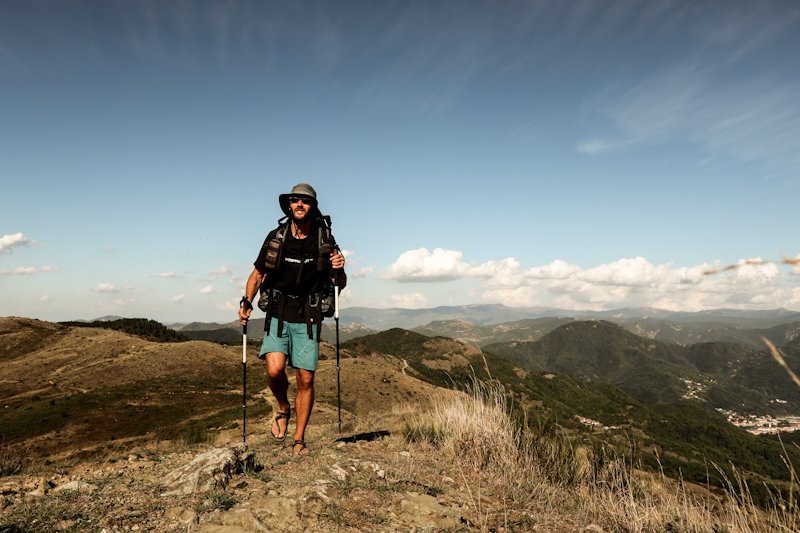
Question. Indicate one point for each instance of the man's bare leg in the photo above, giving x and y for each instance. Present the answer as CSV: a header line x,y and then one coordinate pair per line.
x,y
279,385
303,404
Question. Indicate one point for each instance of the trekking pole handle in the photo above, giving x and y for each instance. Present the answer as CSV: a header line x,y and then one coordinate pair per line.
x,y
336,290
244,302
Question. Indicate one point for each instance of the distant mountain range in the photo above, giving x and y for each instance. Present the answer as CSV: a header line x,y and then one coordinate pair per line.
x,y
486,314
231,332
717,374
487,324
492,314
685,333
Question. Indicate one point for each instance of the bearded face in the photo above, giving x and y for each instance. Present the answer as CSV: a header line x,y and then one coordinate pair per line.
x,y
300,207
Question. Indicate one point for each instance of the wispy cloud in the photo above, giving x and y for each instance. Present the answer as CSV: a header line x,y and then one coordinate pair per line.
x,y
744,120
47,298
177,299
413,300
728,93
224,270
209,289
363,272
11,56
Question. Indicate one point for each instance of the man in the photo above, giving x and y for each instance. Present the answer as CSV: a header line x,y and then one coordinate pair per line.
x,y
294,265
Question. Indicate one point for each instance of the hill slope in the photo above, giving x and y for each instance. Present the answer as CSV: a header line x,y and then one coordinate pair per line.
x,y
685,436
76,390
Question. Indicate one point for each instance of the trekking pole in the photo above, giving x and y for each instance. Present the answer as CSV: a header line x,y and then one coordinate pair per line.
x,y
244,382
338,368
244,303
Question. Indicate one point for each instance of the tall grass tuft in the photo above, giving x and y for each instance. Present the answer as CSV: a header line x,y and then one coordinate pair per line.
x,y
478,427
12,461
535,466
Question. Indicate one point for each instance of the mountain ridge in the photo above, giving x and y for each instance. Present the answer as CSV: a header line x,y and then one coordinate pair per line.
x,y
720,375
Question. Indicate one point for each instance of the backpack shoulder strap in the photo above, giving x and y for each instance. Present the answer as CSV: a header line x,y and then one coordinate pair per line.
x,y
281,232
325,236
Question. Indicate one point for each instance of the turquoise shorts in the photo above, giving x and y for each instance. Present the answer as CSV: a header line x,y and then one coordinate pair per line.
x,y
301,352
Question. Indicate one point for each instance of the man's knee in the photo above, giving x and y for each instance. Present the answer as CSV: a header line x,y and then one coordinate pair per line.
x,y
305,379
276,365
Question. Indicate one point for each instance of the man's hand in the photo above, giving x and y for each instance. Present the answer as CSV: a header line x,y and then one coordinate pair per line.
x,y
245,308
337,260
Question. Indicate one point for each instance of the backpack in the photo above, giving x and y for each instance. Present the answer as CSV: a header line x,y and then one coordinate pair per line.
x,y
324,299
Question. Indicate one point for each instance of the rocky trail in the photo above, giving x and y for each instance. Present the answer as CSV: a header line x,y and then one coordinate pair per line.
x,y
368,481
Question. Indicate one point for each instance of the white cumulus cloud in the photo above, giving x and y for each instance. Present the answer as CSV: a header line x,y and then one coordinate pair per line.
x,y
230,305
627,282
47,298
638,283
27,270
422,265
209,289
9,242
122,301
169,275
177,299
105,288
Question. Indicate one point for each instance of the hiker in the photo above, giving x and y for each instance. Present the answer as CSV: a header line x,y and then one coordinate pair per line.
x,y
296,270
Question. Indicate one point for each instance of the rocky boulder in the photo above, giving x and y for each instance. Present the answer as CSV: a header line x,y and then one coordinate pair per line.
x,y
212,470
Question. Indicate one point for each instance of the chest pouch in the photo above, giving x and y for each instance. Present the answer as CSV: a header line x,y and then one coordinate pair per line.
x,y
324,300
324,258
273,256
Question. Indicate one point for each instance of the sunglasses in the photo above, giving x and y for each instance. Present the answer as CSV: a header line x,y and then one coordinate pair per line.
x,y
305,199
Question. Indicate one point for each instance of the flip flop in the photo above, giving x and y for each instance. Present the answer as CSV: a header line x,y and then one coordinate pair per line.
x,y
279,416
302,447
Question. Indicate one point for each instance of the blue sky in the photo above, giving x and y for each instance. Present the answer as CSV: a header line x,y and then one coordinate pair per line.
x,y
582,155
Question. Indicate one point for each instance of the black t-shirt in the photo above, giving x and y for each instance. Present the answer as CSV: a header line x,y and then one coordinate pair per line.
x,y
299,257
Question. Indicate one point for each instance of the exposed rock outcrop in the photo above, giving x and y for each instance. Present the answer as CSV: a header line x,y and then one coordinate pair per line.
x,y
209,471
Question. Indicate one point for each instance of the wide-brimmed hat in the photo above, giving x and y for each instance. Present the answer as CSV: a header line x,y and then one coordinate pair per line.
x,y
301,189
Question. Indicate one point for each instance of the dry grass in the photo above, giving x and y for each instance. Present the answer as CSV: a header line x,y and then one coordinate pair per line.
x,y
522,459
12,461
542,470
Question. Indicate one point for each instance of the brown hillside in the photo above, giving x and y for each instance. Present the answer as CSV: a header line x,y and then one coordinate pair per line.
x,y
81,388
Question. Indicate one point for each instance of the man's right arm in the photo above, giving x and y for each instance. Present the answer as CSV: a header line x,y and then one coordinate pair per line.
x,y
253,283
